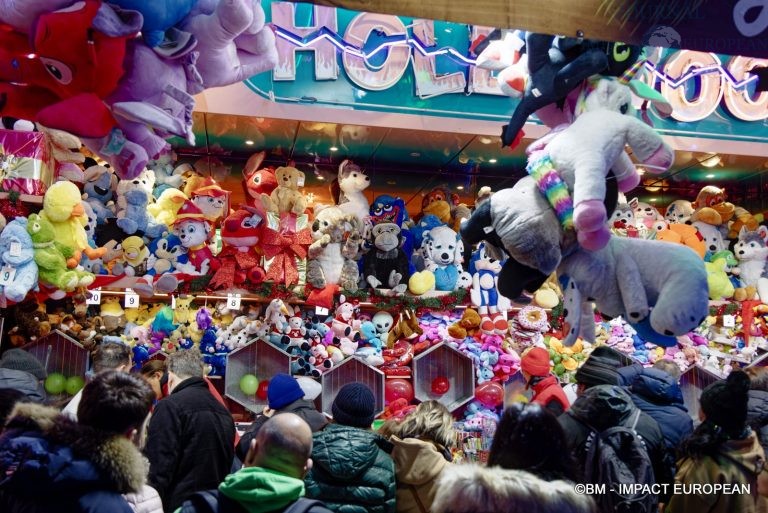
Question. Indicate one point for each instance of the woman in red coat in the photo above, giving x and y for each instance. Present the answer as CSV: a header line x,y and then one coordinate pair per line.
x,y
546,388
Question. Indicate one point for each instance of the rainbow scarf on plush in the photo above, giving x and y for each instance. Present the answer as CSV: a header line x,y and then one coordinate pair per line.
x,y
552,187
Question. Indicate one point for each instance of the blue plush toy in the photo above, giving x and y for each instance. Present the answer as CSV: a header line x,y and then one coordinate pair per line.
x,y
165,253
369,335
136,216
17,253
98,192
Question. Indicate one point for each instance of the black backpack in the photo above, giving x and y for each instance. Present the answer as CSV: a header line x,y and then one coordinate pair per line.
x,y
212,501
618,462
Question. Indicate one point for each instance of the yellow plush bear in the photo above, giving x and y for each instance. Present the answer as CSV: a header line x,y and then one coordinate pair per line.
x,y
286,198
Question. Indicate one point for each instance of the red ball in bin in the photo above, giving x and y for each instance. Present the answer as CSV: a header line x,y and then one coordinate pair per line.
x,y
261,392
398,389
490,393
440,385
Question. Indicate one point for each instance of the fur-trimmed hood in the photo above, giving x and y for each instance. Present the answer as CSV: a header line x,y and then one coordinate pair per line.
x,y
43,450
476,489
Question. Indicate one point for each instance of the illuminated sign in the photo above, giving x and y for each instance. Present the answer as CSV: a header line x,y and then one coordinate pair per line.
x,y
421,66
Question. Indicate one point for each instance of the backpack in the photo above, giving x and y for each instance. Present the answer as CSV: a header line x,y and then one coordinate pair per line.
x,y
618,461
213,502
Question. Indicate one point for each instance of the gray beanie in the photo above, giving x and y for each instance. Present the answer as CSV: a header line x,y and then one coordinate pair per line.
x,y
19,359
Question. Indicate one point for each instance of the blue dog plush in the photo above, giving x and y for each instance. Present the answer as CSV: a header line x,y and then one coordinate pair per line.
x,y
17,253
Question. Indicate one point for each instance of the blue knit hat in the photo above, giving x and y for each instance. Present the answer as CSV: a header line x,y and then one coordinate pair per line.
x,y
354,406
283,389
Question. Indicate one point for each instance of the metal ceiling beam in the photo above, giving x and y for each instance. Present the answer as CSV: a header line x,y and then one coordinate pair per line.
x,y
707,25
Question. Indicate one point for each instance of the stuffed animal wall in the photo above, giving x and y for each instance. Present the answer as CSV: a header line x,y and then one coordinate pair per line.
x,y
484,294
645,214
679,211
257,180
51,257
240,256
752,253
718,283
444,204
98,191
348,191
712,236
194,230
17,253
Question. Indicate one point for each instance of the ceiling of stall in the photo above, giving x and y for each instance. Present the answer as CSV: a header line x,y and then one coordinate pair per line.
x,y
410,162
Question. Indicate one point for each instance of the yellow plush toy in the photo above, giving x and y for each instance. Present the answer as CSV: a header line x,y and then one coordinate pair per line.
x,y
167,205
62,207
286,197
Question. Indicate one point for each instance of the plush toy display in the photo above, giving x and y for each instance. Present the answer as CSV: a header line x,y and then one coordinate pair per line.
x,y
257,180
98,191
484,294
17,253
194,231
348,191
335,249
386,265
712,237
212,200
286,197
443,255
752,253
164,209
443,204
63,209
51,256
240,256
679,211
718,284
645,214
711,206
684,234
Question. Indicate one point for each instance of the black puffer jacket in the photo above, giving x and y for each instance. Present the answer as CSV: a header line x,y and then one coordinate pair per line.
x,y
303,408
190,443
757,415
352,471
606,406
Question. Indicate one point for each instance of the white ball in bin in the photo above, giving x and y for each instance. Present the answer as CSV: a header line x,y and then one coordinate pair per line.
x,y
310,387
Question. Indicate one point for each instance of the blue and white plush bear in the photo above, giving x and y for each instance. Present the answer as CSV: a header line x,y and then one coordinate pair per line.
x,y
17,253
98,192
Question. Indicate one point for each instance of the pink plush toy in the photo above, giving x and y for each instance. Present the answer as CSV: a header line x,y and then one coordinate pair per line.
x,y
233,40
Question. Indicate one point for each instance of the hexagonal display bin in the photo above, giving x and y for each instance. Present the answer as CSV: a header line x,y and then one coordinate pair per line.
x,y
692,383
259,358
351,370
443,360
60,353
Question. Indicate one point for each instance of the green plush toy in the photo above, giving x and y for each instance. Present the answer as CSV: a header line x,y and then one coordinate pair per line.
x,y
720,286
51,257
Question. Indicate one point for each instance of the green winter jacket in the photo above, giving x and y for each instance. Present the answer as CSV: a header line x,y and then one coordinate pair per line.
x,y
352,471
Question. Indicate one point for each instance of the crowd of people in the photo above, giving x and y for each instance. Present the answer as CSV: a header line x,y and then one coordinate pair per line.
x,y
162,440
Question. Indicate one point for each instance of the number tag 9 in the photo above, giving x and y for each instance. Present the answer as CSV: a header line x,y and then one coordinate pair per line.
x,y
131,299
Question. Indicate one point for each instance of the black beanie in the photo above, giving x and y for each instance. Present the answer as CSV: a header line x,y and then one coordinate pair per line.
x,y
600,368
354,406
21,360
725,403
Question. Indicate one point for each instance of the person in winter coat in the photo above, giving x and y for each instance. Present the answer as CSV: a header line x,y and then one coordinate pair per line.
x,y
722,449
473,488
271,480
422,444
529,437
655,391
353,471
604,406
21,371
50,463
757,405
284,395
191,436
546,388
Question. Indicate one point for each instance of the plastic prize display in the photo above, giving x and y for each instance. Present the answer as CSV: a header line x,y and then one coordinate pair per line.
x,y
692,382
442,361
259,358
60,354
351,370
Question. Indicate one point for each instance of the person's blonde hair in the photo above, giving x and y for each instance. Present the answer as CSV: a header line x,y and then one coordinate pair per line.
x,y
429,421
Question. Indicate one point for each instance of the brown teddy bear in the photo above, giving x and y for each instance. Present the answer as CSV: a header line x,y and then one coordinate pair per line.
x,y
467,326
406,328
286,198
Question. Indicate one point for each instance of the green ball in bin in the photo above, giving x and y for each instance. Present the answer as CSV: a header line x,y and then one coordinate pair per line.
x,y
55,383
74,384
249,384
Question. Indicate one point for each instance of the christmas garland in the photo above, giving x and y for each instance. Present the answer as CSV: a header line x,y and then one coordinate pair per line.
x,y
447,302
725,309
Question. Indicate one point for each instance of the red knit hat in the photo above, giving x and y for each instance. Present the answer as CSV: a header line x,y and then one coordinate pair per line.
x,y
536,362
189,211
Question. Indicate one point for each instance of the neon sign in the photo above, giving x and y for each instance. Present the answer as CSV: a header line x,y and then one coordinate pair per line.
x,y
376,51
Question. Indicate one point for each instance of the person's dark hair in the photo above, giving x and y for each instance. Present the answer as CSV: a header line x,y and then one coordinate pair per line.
x,y
110,356
115,402
758,378
8,399
152,366
724,404
530,438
